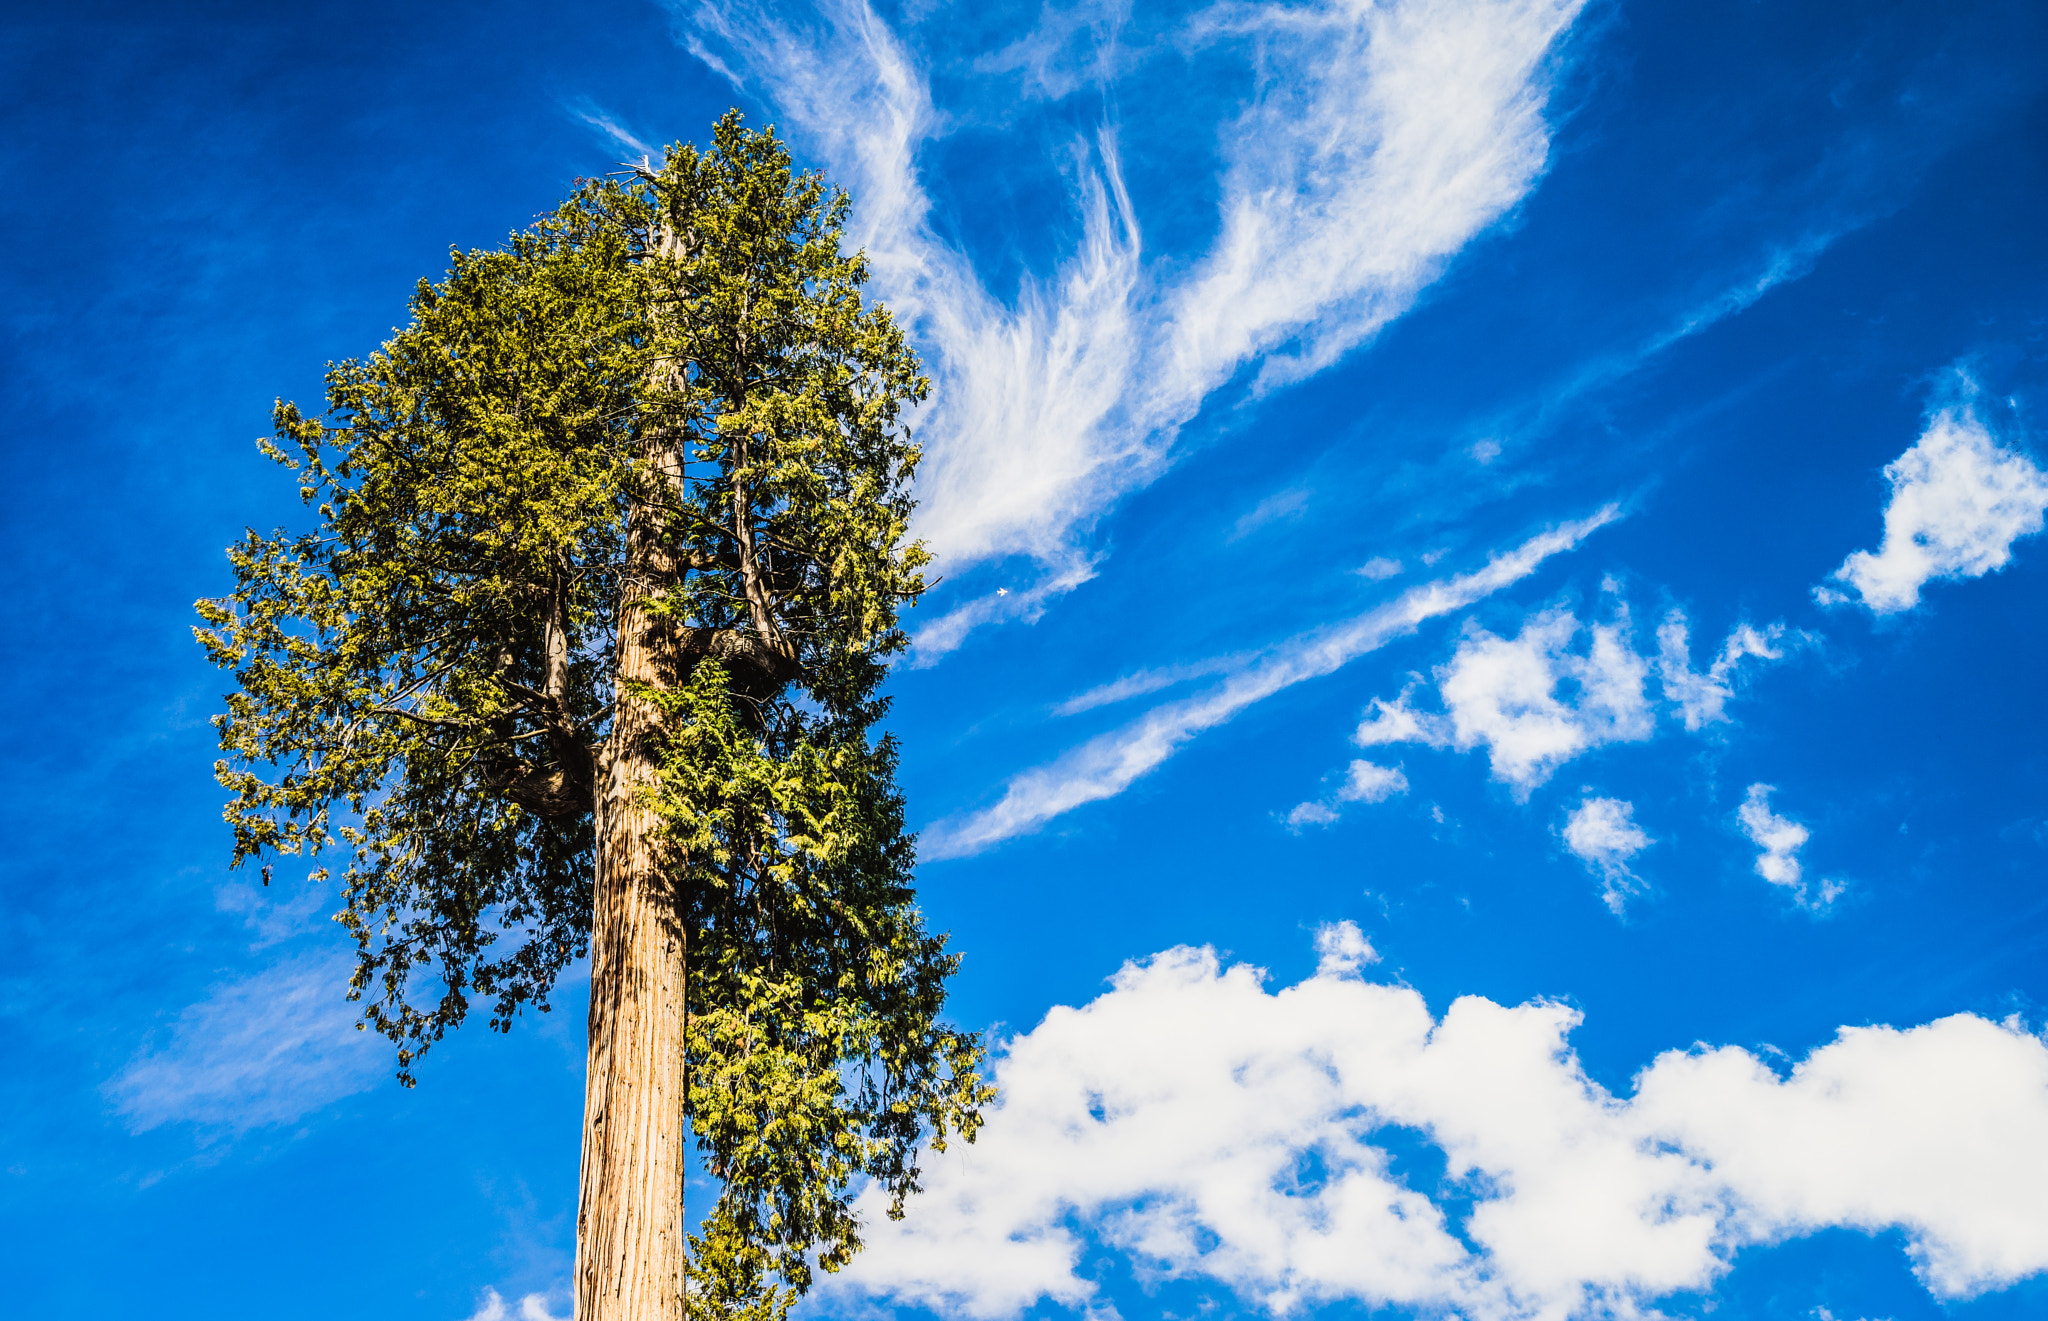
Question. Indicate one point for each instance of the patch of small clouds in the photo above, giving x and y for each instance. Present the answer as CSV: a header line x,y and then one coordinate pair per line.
x,y
1364,782
1530,701
1702,696
1561,687
532,1307
1781,838
1166,1122
1603,834
1958,501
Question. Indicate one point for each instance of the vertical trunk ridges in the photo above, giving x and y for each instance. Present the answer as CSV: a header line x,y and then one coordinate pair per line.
x,y
630,1239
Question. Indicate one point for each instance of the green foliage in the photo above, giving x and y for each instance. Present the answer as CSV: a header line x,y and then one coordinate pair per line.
x,y
425,684
388,665
808,955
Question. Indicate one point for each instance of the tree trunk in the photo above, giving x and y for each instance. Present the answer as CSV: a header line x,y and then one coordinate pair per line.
x,y
630,1245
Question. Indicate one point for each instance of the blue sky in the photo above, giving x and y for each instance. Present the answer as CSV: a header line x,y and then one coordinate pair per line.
x,y
1481,735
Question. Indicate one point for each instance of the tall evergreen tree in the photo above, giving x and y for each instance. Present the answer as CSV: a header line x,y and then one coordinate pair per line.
x,y
585,654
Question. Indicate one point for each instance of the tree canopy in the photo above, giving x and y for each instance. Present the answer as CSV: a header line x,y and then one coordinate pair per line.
x,y
630,491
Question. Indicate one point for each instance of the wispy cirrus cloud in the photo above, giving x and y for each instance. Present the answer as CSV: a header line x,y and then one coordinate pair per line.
x,y
607,126
1376,143
269,1048
1142,683
1199,1126
1107,765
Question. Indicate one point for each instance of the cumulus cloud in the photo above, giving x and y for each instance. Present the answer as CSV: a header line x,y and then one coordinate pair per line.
x,y
1378,141
1107,765
1530,701
1958,502
1364,782
1603,834
532,1307
1204,1127
1781,838
265,1049
1534,702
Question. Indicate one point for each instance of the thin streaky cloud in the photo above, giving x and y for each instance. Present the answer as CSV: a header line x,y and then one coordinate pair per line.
x,y
1541,414
591,114
1143,683
1107,765
266,1049
1389,138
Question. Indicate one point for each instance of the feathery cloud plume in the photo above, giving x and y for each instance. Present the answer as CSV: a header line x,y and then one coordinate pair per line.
x,y
1702,697
1382,139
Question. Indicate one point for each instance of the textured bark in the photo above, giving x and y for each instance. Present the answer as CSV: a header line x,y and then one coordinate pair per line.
x,y
630,1244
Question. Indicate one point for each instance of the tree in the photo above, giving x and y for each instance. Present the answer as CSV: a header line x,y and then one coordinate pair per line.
x,y
585,654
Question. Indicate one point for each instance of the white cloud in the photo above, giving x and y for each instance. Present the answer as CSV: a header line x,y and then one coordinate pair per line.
x,y
1534,704
532,1307
1281,506
1602,833
267,1049
1702,697
595,117
1205,1128
1311,814
1958,502
1342,948
1141,683
1781,839
1105,766
1368,783
1379,141
935,640
1529,700
1364,782
1378,568
1399,722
